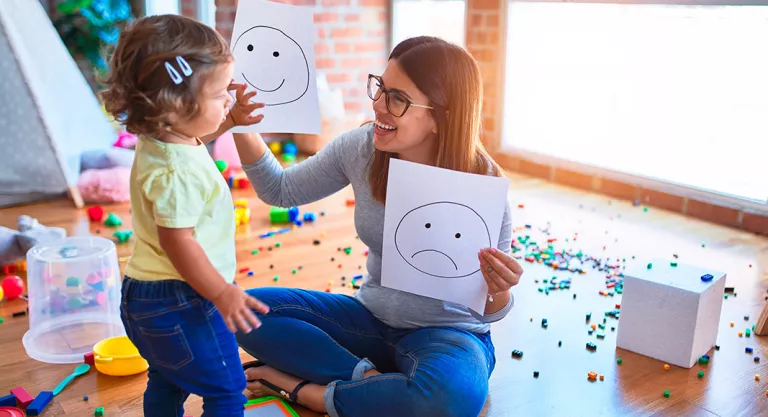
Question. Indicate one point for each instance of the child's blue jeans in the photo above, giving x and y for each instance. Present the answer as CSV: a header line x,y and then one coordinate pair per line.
x,y
188,347
332,339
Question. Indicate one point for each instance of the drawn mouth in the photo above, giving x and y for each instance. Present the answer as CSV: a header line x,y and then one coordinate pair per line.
x,y
442,253
266,91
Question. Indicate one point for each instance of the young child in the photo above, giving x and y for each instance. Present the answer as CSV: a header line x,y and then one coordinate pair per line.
x,y
170,84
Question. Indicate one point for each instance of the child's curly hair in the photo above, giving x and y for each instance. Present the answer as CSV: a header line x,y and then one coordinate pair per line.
x,y
141,93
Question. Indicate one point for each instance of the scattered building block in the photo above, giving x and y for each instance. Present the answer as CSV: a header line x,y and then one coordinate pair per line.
x,y
22,396
88,358
38,405
668,313
99,412
8,401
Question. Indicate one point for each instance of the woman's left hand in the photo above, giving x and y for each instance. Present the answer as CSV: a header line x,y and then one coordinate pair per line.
x,y
501,271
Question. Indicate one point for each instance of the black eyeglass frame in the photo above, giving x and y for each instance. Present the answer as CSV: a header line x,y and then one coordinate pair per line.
x,y
381,90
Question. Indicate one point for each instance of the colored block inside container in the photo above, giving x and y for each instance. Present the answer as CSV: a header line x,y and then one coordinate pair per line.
x,y
38,405
269,407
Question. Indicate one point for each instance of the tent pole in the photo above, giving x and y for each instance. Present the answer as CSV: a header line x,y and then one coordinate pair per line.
x,y
74,194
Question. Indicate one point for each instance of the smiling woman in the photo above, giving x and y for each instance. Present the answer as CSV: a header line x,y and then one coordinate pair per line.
x,y
385,351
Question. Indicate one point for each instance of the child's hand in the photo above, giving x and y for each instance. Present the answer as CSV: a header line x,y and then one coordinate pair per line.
x,y
236,307
241,111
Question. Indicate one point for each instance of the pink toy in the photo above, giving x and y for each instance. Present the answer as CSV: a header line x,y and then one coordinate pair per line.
x,y
13,286
126,140
224,149
110,185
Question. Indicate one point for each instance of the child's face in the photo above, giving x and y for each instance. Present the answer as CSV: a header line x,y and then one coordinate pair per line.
x,y
214,101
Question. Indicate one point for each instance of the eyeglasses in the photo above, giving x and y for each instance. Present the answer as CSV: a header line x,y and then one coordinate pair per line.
x,y
397,104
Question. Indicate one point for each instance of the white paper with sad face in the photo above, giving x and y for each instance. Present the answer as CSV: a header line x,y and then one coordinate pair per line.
x,y
436,221
273,45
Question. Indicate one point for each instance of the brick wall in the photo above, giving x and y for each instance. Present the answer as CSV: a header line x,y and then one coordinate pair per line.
x,y
188,8
352,40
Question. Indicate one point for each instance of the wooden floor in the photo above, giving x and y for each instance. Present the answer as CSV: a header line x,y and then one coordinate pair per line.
x,y
602,228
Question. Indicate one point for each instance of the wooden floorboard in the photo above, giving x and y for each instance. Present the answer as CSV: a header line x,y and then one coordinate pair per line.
x,y
601,227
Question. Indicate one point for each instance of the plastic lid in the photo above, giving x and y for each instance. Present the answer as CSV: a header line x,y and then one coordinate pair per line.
x,y
72,249
11,412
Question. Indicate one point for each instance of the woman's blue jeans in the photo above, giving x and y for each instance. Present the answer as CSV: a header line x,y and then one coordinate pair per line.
x,y
332,339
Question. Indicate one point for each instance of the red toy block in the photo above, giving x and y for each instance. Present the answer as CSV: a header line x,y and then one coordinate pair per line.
x,y
22,396
9,269
88,358
96,213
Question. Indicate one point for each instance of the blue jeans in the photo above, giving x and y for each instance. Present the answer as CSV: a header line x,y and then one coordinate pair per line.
x,y
332,339
188,347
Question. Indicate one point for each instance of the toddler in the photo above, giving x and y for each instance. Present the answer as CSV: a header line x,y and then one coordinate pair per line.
x,y
169,84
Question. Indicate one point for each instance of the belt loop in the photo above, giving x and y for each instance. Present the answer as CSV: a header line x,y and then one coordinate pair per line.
x,y
178,287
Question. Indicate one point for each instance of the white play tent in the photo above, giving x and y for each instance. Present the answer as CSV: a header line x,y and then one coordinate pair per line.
x,y
49,115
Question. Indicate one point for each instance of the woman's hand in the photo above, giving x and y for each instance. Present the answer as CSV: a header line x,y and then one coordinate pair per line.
x,y
501,271
240,113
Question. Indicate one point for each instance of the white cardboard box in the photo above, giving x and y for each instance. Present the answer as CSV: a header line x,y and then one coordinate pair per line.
x,y
669,313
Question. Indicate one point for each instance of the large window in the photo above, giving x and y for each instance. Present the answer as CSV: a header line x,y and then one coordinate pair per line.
x,y
156,7
441,18
672,93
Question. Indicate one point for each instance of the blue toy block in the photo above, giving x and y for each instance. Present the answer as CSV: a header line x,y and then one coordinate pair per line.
x,y
298,223
8,401
38,405
290,149
309,217
707,277
293,214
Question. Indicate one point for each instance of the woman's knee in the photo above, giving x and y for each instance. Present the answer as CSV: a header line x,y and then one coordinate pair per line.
x,y
454,398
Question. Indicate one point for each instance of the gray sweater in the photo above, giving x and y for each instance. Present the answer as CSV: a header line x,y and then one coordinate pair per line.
x,y
345,161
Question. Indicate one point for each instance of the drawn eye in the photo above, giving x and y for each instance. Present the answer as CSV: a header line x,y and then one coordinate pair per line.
x,y
275,54
428,225
250,48
458,235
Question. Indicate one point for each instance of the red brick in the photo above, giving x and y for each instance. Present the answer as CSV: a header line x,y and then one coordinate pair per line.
x,y
321,33
492,21
485,4
370,47
573,179
755,223
339,78
326,17
325,63
352,18
662,200
335,2
353,106
712,213
355,92
619,189
380,33
534,169
373,3
342,48
220,3
354,32
383,16
476,19
356,63
302,2
322,49
489,124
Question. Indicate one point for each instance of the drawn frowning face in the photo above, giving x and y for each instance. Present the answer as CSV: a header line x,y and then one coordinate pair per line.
x,y
442,239
273,63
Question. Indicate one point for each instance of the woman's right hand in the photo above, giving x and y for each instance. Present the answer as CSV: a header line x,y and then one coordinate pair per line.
x,y
236,308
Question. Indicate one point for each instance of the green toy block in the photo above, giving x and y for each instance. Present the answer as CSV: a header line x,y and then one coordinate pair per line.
x,y
73,282
1,320
278,215
701,374
221,165
347,250
99,412
123,235
287,157
113,220
666,394
703,361
619,361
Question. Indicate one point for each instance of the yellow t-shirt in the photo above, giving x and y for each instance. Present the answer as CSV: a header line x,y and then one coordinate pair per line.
x,y
179,186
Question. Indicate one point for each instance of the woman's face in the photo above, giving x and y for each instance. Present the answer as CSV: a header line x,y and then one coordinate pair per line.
x,y
413,132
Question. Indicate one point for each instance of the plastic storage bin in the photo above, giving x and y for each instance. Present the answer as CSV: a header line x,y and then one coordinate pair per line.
x,y
74,298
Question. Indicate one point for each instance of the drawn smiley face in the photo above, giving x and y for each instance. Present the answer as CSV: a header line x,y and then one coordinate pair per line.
x,y
272,63
442,239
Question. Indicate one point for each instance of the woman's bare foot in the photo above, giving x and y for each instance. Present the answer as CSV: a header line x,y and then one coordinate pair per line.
x,y
256,387
310,395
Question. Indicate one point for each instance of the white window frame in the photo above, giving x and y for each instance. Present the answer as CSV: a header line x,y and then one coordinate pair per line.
x,y
391,28
149,9
644,182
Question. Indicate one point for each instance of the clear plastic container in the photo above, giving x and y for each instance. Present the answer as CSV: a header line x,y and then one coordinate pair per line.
x,y
74,298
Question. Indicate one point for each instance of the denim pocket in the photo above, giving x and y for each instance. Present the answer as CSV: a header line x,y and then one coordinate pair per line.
x,y
168,347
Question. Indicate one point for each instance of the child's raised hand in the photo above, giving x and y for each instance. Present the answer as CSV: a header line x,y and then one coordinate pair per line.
x,y
236,308
243,107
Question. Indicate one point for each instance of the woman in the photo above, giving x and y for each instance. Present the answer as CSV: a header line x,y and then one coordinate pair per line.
x,y
383,352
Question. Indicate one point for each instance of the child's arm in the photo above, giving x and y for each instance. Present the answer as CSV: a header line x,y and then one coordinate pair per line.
x,y
193,265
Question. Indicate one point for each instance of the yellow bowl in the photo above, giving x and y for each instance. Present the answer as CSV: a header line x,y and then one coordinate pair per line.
x,y
118,356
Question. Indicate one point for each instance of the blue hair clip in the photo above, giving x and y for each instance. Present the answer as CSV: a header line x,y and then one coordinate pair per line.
x,y
186,69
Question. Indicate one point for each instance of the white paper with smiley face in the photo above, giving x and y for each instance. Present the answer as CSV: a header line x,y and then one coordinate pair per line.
x,y
273,45
442,239
435,223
